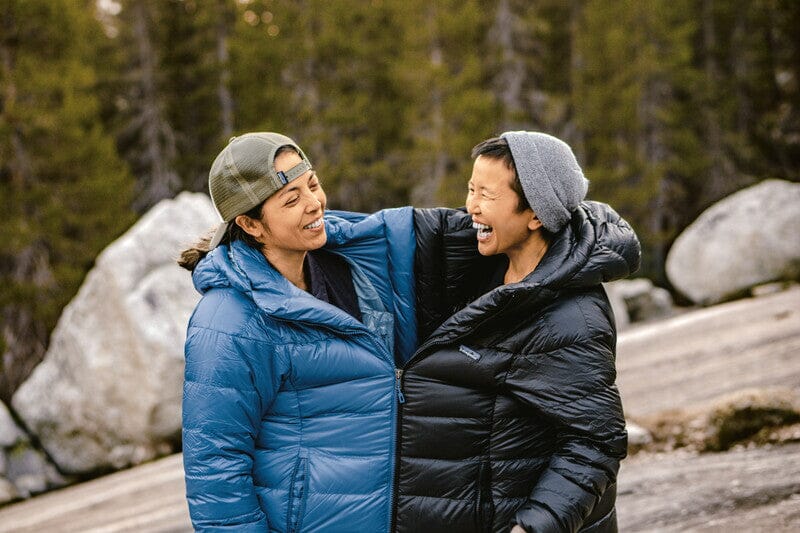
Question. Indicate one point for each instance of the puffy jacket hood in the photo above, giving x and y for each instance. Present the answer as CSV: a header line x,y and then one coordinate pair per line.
x,y
246,270
597,246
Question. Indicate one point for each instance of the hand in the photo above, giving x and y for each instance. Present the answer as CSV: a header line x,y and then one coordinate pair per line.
x,y
518,529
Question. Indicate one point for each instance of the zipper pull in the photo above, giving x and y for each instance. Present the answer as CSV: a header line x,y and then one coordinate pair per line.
x,y
398,373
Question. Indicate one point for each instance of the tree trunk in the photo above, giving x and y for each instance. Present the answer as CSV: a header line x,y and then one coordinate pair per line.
x,y
223,59
652,152
741,70
572,132
511,73
159,181
425,191
23,338
719,168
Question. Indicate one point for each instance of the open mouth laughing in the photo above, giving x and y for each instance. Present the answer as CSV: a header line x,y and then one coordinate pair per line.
x,y
314,225
484,231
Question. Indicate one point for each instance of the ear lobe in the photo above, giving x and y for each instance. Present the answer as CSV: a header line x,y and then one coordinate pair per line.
x,y
251,226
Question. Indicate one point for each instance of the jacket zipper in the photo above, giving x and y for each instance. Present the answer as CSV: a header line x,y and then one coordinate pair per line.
x,y
399,373
375,341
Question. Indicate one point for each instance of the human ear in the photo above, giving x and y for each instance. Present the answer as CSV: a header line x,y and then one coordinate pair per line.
x,y
534,223
251,226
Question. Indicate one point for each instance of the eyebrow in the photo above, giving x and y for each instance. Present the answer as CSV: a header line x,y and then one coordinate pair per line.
x,y
294,187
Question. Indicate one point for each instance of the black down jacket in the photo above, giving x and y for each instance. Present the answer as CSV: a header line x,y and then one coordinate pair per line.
x,y
510,411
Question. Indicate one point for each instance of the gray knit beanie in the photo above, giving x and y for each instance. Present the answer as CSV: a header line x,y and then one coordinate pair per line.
x,y
551,178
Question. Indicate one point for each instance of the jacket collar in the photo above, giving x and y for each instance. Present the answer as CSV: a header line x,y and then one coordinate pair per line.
x,y
596,246
246,270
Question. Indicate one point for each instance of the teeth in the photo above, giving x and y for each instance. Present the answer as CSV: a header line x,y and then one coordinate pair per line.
x,y
484,230
317,223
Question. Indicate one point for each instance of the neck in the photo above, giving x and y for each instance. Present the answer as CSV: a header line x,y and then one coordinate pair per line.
x,y
525,259
290,265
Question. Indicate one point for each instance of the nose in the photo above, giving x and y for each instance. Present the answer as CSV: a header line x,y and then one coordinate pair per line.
x,y
472,205
314,202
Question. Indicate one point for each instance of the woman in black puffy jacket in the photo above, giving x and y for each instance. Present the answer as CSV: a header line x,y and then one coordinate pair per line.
x,y
511,419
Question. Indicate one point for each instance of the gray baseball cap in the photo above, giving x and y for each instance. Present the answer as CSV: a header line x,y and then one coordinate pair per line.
x,y
243,175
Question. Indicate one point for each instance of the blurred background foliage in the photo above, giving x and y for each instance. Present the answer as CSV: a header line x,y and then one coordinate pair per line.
x,y
108,106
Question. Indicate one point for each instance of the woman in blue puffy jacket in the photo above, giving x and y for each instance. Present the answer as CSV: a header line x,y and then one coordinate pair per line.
x,y
290,388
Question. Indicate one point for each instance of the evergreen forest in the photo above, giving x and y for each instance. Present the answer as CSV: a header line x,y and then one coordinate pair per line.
x,y
109,106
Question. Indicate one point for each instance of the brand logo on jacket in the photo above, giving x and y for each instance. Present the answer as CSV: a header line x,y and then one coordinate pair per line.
x,y
469,352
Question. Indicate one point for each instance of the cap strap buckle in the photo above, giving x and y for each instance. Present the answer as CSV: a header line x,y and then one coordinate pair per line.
x,y
296,171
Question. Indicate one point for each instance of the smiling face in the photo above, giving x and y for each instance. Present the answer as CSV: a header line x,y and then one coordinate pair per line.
x,y
493,204
291,219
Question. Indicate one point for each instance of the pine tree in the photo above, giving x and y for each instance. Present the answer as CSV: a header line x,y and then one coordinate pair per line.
x,y
65,192
146,137
529,54
452,107
191,43
635,105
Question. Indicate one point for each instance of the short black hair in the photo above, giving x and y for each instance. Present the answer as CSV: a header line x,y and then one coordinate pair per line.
x,y
497,148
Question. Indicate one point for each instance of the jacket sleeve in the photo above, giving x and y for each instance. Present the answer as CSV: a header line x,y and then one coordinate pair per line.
x,y
382,245
448,268
223,397
571,383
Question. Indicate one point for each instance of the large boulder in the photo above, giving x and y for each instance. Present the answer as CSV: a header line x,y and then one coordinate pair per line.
x,y
622,318
10,433
746,239
108,392
642,300
24,470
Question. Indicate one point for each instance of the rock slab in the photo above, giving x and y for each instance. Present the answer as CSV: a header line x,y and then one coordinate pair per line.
x,y
108,392
24,470
753,490
744,240
700,356
642,300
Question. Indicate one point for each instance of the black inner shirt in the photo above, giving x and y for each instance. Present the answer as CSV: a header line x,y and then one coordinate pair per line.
x,y
331,281
497,276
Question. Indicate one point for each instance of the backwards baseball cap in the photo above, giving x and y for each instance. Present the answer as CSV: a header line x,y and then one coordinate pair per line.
x,y
243,175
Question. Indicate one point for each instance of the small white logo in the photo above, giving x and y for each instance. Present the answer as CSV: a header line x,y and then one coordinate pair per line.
x,y
469,352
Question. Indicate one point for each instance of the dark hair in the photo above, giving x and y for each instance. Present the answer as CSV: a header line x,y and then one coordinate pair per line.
x,y
191,256
497,148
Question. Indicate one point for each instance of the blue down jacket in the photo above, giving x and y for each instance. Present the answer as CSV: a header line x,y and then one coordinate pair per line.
x,y
289,403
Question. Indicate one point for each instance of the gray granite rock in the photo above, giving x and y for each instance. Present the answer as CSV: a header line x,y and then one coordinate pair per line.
x,y
108,392
742,241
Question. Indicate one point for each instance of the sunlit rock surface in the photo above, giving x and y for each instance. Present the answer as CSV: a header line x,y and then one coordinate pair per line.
x,y
746,239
